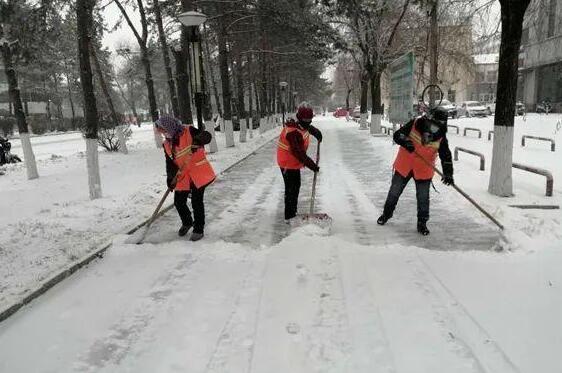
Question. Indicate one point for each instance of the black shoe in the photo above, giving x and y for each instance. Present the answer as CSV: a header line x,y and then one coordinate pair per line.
x,y
382,219
196,236
184,229
422,228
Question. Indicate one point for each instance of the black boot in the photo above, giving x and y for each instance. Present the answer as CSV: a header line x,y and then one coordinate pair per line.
x,y
382,219
422,228
184,229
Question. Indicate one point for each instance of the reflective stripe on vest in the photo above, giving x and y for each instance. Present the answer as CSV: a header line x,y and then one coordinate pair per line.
x,y
285,159
193,164
407,162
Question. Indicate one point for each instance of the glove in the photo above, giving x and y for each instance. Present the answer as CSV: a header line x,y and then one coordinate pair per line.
x,y
171,182
409,145
319,136
316,169
448,180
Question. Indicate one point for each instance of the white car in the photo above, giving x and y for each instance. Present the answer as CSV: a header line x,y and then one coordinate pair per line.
x,y
473,109
491,107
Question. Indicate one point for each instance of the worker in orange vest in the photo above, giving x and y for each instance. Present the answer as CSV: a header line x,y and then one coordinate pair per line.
x,y
188,171
291,154
423,137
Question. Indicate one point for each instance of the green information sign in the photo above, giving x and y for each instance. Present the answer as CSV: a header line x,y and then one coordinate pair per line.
x,y
402,95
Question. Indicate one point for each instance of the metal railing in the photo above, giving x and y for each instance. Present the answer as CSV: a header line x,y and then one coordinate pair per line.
x,y
479,155
538,171
552,142
453,126
472,129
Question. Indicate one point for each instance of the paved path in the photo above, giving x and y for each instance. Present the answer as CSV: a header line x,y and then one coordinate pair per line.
x,y
246,299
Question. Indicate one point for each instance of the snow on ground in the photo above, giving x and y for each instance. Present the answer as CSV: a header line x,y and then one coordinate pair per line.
x,y
50,222
256,296
540,225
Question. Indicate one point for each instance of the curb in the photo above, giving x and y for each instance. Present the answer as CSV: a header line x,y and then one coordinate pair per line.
x,y
98,253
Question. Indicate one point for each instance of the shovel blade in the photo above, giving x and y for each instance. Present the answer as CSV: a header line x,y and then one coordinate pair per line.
x,y
137,237
320,219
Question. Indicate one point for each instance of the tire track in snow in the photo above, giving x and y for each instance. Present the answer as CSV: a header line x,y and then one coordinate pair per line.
x,y
234,347
489,359
469,335
371,350
112,348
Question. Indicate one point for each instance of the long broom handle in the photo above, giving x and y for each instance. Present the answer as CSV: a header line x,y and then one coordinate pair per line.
x,y
314,180
486,213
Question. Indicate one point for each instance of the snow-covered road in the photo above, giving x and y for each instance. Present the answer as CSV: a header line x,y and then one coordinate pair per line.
x,y
255,296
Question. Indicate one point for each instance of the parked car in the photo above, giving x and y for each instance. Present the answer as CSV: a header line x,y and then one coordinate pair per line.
x,y
491,107
356,113
472,109
340,112
519,108
450,107
544,107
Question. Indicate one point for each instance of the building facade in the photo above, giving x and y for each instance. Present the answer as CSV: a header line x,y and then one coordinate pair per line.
x,y
485,83
540,77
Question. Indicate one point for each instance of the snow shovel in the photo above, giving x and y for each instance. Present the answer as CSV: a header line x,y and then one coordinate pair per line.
x,y
462,192
321,219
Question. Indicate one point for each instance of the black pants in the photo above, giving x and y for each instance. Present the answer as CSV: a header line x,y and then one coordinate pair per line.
x,y
292,179
180,201
399,182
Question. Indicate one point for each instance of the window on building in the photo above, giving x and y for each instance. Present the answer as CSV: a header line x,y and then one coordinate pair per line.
x,y
549,85
551,18
452,95
492,76
480,77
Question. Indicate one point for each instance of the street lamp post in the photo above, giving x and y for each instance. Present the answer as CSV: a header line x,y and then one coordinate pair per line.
x,y
193,19
283,86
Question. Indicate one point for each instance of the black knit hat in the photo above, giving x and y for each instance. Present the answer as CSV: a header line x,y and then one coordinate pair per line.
x,y
440,116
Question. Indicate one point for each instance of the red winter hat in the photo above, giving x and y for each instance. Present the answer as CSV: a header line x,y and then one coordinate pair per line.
x,y
305,112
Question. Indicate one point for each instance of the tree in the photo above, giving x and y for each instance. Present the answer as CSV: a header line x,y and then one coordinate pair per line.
x,y
84,18
142,40
370,27
165,56
15,39
512,15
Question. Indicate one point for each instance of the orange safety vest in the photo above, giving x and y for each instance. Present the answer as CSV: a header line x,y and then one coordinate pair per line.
x,y
285,159
193,165
407,162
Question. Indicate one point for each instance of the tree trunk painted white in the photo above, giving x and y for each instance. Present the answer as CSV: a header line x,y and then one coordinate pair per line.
x,y
28,157
262,125
122,140
157,137
228,133
94,179
243,131
376,124
251,129
221,123
501,183
363,121
210,127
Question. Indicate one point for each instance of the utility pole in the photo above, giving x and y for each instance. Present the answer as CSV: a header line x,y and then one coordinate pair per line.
x,y
433,52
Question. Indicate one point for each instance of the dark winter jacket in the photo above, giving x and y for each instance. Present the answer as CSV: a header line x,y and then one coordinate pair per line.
x,y
200,137
297,145
401,137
